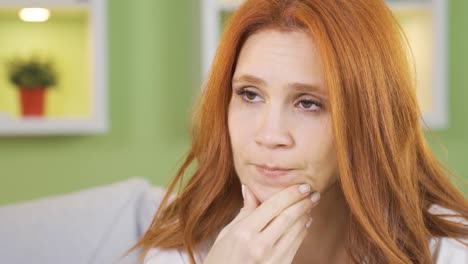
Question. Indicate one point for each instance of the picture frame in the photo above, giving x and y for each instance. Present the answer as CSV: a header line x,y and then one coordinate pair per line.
x,y
95,117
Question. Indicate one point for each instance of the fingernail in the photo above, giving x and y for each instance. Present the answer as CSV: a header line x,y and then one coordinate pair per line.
x,y
309,222
315,197
243,191
304,188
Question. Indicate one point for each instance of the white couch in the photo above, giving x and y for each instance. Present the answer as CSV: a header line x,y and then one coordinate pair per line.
x,y
91,226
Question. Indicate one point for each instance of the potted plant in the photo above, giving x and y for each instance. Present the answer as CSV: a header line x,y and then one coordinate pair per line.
x,y
32,77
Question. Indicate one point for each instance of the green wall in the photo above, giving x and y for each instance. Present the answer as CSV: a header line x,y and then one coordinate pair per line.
x,y
153,78
154,71
454,151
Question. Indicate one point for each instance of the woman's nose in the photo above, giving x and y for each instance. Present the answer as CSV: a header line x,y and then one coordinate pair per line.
x,y
272,130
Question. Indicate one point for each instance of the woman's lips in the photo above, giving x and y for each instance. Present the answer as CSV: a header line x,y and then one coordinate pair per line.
x,y
272,173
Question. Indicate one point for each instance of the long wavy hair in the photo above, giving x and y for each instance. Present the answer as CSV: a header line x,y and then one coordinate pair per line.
x,y
387,173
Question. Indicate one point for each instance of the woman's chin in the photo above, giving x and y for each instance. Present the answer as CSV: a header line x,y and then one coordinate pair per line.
x,y
264,192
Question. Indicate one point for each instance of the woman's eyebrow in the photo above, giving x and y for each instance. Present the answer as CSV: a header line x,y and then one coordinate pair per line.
x,y
248,78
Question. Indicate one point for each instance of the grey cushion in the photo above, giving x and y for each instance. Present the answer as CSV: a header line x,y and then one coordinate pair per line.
x,y
95,225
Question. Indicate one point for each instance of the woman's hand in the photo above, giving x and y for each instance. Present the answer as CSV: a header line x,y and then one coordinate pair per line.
x,y
268,233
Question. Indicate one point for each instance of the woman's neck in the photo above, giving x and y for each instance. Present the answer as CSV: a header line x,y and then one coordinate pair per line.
x,y
325,241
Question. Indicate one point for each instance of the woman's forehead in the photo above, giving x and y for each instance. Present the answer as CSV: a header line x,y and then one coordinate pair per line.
x,y
286,57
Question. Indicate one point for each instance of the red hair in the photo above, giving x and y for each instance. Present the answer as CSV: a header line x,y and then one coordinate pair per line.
x,y
387,173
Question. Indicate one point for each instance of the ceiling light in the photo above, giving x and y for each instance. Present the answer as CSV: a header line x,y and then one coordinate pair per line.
x,y
34,14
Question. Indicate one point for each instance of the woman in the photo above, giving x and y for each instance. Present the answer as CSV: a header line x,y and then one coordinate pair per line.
x,y
316,96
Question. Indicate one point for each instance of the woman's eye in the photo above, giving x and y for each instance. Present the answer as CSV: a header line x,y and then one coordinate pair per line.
x,y
311,105
248,96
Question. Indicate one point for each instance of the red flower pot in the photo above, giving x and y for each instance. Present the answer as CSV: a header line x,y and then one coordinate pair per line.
x,y
32,101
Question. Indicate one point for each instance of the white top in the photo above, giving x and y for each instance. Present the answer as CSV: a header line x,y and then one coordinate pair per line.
x,y
444,250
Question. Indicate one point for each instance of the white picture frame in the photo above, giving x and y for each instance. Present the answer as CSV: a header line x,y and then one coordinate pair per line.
x,y
97,121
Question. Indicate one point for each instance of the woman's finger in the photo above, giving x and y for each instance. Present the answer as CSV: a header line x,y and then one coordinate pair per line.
x,y
288,245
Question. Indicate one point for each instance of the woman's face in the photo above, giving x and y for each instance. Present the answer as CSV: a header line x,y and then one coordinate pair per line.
x,y
278,114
